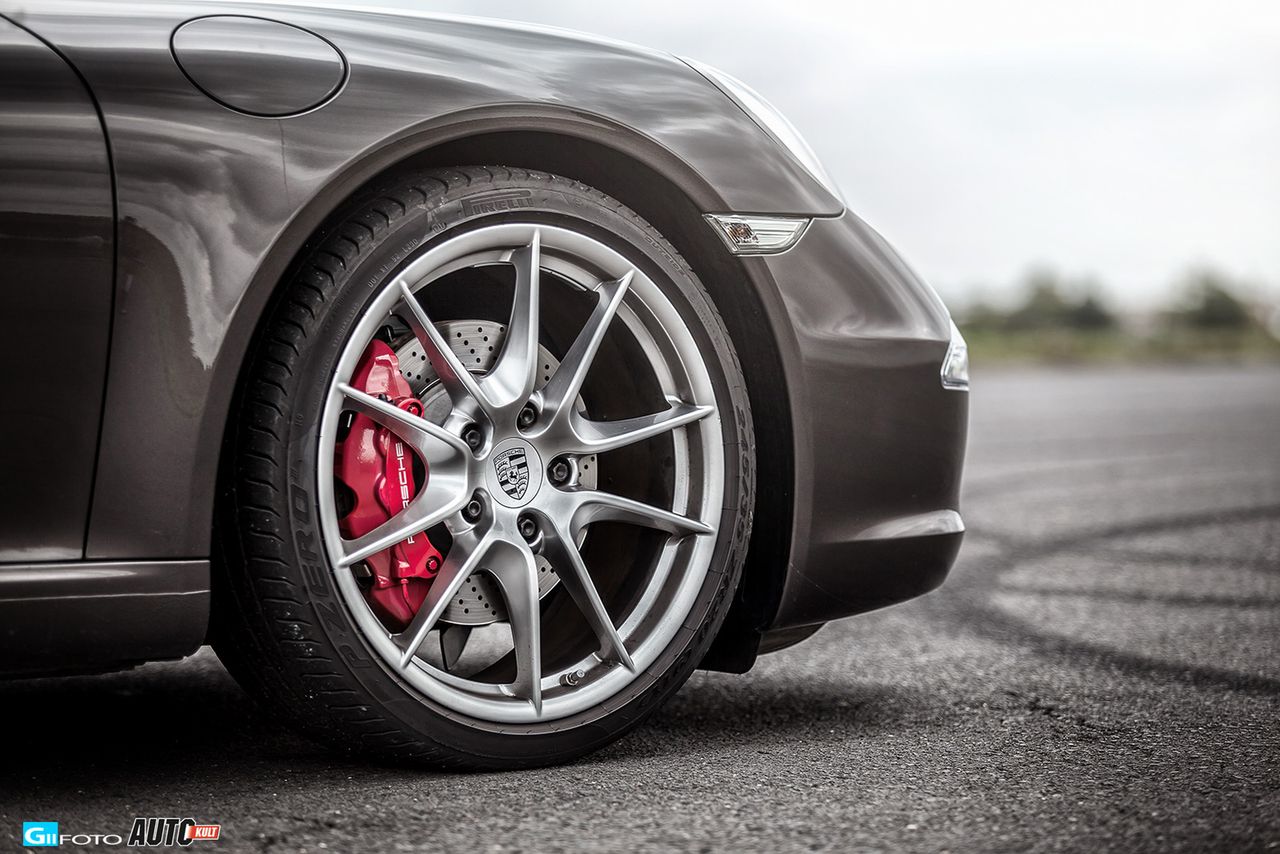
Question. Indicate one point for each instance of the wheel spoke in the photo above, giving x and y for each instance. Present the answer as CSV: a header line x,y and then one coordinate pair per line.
x,y
457,381
595,506
562,390
427,509
567,560
464,556
596,437
436,445
516,571
512,378
453,640
444,492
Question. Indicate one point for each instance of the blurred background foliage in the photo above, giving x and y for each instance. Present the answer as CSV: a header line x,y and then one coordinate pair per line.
x,y
1206,317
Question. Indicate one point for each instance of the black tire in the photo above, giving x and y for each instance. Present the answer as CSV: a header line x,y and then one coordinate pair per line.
x,y
279,622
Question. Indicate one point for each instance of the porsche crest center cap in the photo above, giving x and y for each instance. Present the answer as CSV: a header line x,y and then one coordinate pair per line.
x,y
515,473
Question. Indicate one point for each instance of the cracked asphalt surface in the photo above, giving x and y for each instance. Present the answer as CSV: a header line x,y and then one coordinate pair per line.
x,y
1101,672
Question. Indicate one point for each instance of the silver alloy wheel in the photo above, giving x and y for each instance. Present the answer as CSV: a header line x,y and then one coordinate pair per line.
x,y
493,543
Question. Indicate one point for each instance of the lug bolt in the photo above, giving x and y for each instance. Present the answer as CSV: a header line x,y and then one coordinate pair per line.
x,y
558,472
473,509
473,437
528,415
528,528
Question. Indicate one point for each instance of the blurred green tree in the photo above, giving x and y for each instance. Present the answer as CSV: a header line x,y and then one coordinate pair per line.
x,y
1091,314
1043,307
1211,303
1052,302
980,315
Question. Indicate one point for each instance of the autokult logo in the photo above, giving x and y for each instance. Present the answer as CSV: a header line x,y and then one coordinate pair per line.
x,y
152,832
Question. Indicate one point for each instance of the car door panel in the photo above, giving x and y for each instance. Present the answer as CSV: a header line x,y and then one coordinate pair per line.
x,y
56,245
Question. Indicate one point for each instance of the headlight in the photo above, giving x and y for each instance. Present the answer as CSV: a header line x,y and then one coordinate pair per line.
x,y
773,122
955,367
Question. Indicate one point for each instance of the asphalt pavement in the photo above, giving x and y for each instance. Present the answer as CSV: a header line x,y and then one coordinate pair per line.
x,y
1101,672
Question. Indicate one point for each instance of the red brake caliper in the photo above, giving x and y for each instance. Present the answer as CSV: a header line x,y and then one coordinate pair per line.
x,y
378,468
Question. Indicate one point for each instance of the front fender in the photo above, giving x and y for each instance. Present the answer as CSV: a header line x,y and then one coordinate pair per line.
x,y
213,204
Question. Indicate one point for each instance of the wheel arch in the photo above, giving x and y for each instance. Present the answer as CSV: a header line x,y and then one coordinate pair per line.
x,y
672,197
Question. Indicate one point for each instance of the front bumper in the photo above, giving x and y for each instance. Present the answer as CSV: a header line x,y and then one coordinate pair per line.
x,y
878,441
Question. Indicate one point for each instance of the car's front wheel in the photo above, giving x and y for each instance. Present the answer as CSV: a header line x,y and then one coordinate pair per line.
x,y
488,494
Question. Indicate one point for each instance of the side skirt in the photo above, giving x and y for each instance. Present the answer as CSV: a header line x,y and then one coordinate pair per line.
x,y
88,616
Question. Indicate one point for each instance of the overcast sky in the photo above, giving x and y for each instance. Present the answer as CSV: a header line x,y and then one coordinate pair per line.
x,y
1123,139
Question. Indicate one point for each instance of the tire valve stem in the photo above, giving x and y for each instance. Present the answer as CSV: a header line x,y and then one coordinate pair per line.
x,y
573,677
